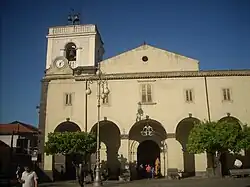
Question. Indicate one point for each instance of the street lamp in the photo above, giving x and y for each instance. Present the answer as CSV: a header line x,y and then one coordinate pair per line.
x,y
102,93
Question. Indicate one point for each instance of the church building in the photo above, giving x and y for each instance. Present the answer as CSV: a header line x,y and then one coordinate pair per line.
x,y
150,99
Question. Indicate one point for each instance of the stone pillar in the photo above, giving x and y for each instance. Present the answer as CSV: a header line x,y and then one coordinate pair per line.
x,y
124,153
174,154
200,164
163,160
48,166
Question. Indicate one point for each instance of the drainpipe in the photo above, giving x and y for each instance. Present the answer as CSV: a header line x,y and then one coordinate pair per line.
x,y
86,107
207,100
209,117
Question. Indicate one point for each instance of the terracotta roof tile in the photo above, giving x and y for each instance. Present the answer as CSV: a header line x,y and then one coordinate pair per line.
x,y
17,127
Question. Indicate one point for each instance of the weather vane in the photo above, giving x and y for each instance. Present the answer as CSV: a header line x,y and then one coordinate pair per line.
x,y
73,18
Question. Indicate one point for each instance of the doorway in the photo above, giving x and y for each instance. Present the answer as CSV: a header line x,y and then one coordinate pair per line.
x,y
147,152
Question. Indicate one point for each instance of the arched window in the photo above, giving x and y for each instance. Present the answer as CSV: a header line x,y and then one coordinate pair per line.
x,y
70,50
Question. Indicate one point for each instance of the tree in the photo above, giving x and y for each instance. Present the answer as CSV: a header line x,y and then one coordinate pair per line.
x,y
72,143
69,143
216,138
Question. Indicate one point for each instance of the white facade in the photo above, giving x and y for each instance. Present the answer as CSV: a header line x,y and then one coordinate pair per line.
x,y
173,93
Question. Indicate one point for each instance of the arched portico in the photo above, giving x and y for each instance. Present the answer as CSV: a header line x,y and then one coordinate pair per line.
x,y
147,143
111,141
63,168
182,133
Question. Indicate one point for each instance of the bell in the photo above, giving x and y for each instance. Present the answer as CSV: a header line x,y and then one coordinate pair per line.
x,y
71,53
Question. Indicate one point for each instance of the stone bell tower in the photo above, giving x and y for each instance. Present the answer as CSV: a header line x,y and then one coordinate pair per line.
x,y
69,47
75,44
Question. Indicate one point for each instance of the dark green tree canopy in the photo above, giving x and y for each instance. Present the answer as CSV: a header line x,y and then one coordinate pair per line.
x,y
67,143
218,136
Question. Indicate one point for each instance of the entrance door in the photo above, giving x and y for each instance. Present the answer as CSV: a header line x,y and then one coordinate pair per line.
x,y
148,151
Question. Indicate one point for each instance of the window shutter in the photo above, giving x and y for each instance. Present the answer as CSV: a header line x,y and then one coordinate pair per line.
x,y
144,93
149,93
228,95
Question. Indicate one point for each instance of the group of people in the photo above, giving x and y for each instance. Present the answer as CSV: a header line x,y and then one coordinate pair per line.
x,y
28,178
148,171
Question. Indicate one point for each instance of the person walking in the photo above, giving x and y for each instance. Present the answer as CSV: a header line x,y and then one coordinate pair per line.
x,y
29,178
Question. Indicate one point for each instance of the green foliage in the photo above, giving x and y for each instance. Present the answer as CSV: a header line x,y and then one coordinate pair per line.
x,y
218,136
245,140
70,143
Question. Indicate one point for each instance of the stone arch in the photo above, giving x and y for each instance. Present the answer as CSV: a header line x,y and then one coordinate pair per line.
x,y
158,137
70,51
232,119
227,158
159,130
68,126
181,134
110,135
62,165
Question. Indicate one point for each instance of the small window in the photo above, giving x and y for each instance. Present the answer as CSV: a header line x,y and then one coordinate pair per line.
x,y
68,99
226,94
189,95
146,93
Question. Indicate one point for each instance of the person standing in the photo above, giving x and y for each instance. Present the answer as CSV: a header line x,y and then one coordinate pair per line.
x,y
148,171
152,172
29,178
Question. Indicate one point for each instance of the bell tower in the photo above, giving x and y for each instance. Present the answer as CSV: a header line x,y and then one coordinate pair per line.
x,y
79,45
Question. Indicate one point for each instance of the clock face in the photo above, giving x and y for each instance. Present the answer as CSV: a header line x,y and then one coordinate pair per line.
x,y
60,63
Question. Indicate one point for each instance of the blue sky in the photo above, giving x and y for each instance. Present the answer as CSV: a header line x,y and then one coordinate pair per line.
x,y
216,32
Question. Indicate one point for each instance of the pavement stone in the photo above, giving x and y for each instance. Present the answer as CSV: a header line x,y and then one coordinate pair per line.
x,y
189,182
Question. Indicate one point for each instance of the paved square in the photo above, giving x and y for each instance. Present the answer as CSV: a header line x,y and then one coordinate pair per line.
x,y
191,182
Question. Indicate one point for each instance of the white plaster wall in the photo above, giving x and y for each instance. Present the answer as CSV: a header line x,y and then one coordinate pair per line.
x,y
169,110
7,139
85,41
239,107
158,60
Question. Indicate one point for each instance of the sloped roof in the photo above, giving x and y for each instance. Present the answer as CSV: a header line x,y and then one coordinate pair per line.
x,y
17,127
146,45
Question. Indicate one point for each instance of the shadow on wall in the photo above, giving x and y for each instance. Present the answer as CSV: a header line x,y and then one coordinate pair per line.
x,y
112,146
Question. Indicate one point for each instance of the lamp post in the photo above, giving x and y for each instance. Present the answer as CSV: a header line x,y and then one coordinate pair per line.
x,y
102,93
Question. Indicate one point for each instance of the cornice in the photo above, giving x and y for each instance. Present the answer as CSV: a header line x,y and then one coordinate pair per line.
x,y
155,75
58,77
